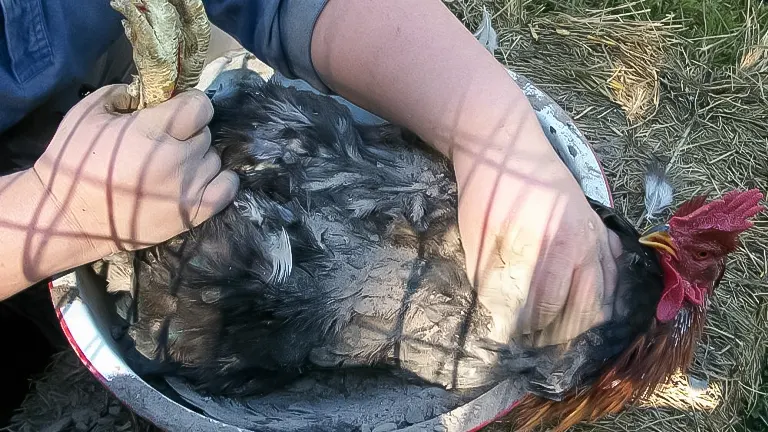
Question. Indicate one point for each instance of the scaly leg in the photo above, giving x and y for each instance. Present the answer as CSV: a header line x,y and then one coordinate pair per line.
x,y
196,31
170,41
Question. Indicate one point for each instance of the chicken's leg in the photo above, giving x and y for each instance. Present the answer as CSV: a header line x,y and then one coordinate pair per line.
x,y
170,41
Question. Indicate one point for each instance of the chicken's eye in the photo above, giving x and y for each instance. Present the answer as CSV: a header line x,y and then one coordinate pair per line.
x,y
703,254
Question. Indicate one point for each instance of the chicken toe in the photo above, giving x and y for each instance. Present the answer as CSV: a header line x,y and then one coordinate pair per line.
x,y
196,36
155,31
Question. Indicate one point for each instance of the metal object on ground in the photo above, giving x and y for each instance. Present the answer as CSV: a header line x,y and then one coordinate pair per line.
x,y
80,305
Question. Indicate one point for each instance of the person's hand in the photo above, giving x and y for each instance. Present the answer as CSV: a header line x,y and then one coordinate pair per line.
x,y
539,252
541,259
124,181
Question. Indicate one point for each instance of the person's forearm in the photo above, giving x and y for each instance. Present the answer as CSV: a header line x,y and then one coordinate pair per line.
x,y
415,64
34,242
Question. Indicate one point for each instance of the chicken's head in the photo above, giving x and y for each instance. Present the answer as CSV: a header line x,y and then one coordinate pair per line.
x,y
694,243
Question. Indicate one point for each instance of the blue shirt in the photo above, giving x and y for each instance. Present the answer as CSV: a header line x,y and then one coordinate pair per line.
x,y
46,44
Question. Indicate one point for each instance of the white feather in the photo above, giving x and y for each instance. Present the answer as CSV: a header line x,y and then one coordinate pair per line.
x,y
485,33
282,257
248,207
337,180
659,191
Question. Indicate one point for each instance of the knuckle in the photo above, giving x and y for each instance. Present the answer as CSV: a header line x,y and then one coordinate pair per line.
x,y
173,161
152,127
155,134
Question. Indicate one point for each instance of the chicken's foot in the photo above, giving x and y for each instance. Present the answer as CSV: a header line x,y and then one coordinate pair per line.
x,y
170,41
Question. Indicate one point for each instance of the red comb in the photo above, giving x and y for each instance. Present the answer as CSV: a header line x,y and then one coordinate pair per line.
x,y
731,213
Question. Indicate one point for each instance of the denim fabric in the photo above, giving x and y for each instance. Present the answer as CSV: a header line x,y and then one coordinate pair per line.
x,y
47,45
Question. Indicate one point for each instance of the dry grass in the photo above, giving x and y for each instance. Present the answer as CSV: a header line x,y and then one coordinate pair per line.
x,y
638,81
636,86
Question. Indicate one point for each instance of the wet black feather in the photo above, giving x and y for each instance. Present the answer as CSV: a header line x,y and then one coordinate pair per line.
x,y
341,250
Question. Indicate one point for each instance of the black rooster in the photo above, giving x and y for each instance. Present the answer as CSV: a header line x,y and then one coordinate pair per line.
x,y
341,250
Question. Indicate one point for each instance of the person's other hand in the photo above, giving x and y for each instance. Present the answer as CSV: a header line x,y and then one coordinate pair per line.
x,y
539,252
541,259
124,181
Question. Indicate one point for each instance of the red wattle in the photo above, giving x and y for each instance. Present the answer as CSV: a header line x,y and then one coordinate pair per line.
x,y
674,291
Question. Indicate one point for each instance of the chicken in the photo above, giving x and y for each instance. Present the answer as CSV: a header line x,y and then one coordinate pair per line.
x,y
342,250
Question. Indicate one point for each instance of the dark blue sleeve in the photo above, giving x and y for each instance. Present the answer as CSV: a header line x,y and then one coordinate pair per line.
x,y
278,32
46,46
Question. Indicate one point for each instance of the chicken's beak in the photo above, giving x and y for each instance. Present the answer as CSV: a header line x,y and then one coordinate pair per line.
x,y
658,238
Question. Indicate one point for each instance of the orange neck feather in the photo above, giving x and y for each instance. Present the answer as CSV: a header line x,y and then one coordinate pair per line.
x,y
651,359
